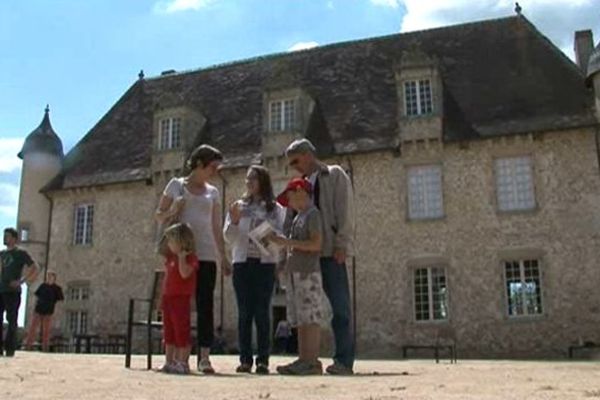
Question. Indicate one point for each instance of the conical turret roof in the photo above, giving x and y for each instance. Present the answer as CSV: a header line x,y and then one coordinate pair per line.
x,y
43,139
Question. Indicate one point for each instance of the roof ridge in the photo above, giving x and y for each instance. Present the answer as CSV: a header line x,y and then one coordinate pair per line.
x,y
269,56
552,46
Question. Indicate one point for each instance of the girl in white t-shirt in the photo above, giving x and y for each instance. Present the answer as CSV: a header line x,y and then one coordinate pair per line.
x,y
253,266
196,202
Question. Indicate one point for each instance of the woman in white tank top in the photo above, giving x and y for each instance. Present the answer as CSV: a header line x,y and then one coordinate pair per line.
x,y
197,203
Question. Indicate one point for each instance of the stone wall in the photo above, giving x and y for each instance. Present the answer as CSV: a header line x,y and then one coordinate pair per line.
x,y
471,240
119,263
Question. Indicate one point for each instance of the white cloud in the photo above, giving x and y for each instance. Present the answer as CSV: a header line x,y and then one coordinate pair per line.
x,y
387,3
9,199
303,46
557,19
330,5
10,166
9,148
173,6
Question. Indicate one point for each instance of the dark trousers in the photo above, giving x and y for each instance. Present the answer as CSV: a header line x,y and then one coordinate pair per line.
x,y
9,304
337,289
253,283
205,290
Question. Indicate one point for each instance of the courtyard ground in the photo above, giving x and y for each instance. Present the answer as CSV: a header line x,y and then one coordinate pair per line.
x,y
76,376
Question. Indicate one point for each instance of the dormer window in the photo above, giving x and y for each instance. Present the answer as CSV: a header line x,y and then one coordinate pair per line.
x,y
418,98
282,115
170,134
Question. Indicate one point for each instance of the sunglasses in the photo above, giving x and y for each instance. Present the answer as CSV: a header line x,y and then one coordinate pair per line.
x,y
294,162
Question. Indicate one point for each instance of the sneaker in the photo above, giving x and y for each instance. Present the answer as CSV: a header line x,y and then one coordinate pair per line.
x,y
286,366
167,368
262,369
186,367
205,367
339,369
180,368
244,369
302,368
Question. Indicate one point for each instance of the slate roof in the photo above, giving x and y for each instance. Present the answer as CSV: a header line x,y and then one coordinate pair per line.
x,y
594,64
500,77
43,139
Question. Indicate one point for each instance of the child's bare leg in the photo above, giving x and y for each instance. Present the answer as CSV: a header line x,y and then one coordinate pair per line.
x,y
302,356
33,331
183,354
170,351
312,346
309,342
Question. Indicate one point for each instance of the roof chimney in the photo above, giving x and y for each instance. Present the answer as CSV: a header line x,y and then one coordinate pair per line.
x,y
583,46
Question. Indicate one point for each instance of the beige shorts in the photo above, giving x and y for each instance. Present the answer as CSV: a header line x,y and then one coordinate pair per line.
x,y
305,299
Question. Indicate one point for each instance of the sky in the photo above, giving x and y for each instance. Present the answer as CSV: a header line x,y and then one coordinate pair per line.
x,y
81,56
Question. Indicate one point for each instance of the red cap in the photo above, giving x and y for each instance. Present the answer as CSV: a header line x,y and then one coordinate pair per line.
x,y
295,184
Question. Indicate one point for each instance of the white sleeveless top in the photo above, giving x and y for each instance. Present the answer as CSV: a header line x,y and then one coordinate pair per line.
x,y
197,212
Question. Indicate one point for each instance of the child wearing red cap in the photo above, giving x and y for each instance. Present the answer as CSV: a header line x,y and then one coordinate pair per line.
x,y
304,290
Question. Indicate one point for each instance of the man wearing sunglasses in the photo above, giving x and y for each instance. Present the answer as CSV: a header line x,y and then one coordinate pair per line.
x,y
332,195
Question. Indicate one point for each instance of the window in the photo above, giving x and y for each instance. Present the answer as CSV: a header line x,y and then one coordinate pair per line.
x,y
523,288
77,293
78,322
282,115
417,97
514,184
170,134
425,192
77,302
84,224
24,235
431,294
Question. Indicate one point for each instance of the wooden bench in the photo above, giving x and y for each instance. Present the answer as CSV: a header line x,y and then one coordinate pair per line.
x,y
85,339
110,344
443,338
59,344
116,343
451,349
584,346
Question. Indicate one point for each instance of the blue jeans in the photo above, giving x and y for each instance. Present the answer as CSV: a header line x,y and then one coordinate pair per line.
x,y
253,283
337,289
